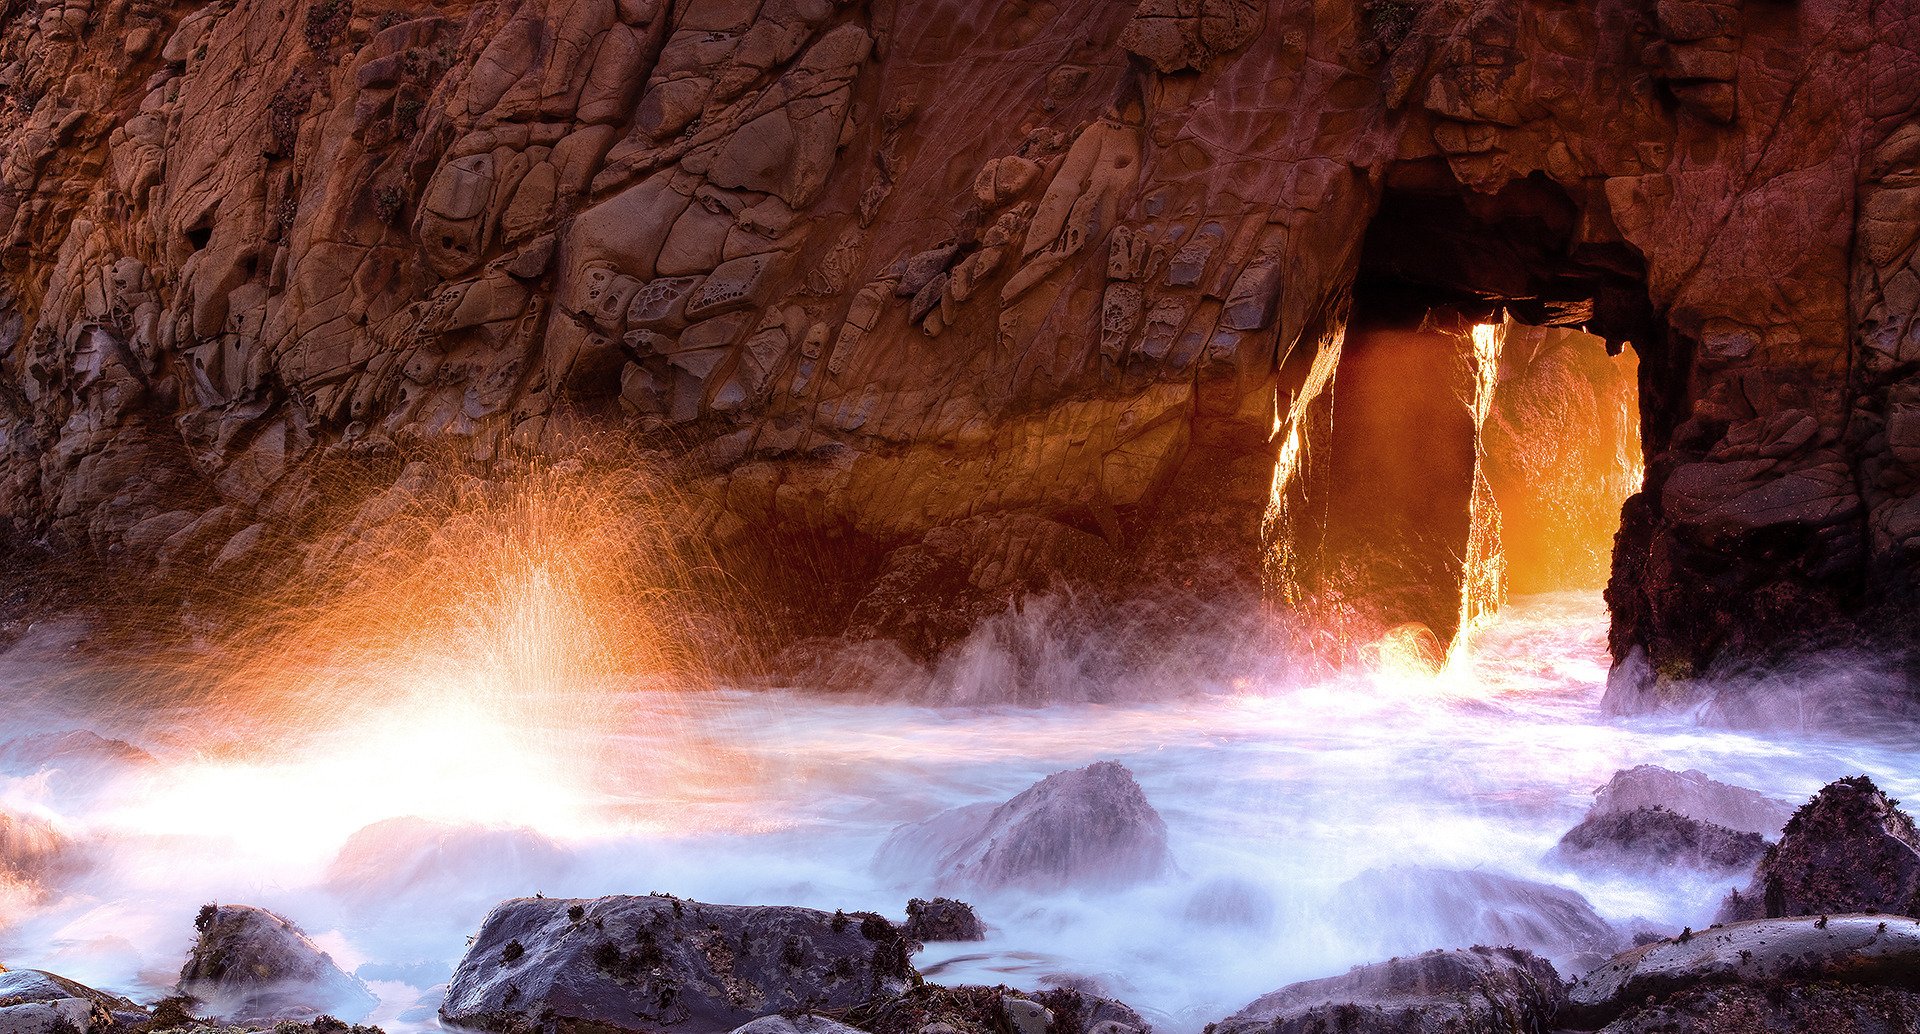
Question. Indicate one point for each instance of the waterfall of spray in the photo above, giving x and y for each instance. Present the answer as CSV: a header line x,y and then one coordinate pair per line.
x,y
1483,582
1281,525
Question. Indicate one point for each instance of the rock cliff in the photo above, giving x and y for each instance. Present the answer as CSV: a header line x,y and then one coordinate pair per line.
x,y
984,289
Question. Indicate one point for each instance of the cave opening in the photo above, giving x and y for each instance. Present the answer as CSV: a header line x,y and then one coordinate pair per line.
x,y
1471,430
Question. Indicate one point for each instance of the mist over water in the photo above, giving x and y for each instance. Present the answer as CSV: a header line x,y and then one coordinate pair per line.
x,y
1277,787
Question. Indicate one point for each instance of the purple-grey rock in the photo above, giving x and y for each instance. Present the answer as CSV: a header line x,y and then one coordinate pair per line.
x,y
252,966
1453,908
656,963
943,919
1694,795
1850,849
1476,990
1087,827
1857,949
1655,838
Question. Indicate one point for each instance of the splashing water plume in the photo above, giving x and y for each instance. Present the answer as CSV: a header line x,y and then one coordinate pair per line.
x,y
461,658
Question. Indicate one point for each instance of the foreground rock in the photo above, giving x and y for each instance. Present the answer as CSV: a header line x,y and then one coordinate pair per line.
x,y
1694,795
1088,827
932,1009
1480,990
252,966
1652,838
37,1002
943,919
1794,1008
656,962
1423,908
1881,951
1848,850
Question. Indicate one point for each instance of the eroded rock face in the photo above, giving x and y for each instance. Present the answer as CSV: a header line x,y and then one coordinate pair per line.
x,y
1848,850
252,966
1652,838
1089,827
869,271
659,963
1490,990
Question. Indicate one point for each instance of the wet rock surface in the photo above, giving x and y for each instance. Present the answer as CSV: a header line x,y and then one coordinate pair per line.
x,y
657,963
1695,795
1882,951
943,919
1850,849
1482,990
1792,1008
1087,827
251,966
1653,838
1453,907
37,1002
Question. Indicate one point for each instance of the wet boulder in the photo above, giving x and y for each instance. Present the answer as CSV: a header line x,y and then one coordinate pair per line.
x,y
1088,827
1881,951
943,919
1479,989
37,1002
658,963
251,966
1850,849
1424,908
1694,795
1655,838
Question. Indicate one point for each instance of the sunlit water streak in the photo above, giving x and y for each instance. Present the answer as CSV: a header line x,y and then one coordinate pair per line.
x,y
783,796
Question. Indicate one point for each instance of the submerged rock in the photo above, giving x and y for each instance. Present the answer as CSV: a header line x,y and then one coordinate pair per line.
x,y
1479,989
401,856
1646,838
655,962
36,1002
1850,849
943,919
1858,949
1089,827
1694,795
1233,902
250,965
1446,908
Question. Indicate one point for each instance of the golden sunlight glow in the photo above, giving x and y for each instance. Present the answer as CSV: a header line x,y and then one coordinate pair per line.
x,y
1280,527
1483,581
461,652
